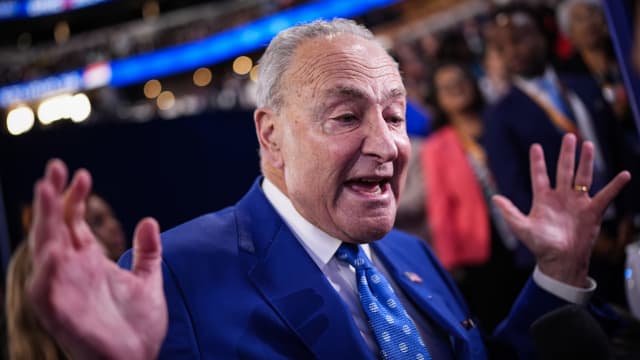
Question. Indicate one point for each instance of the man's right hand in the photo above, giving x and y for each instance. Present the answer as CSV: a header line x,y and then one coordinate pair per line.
x,y
86,302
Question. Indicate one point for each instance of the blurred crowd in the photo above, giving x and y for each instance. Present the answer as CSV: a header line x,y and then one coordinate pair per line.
x,y
480,94
30,59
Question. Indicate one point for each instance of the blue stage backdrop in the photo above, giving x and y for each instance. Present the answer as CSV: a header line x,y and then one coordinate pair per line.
x,y
170,169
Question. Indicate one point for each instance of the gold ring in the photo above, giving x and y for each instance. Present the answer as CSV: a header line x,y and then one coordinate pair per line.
x,y
581,188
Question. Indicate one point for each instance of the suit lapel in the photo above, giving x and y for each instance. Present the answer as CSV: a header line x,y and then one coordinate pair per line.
x,y
293,285
427,299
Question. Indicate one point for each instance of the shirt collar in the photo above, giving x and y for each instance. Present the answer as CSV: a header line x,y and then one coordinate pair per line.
x,y
320,245
533,84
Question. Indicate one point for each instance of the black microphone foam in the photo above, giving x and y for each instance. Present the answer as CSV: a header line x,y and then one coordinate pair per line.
x,y
570,332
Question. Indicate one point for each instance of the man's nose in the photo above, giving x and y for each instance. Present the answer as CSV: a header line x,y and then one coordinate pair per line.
x,y
379,140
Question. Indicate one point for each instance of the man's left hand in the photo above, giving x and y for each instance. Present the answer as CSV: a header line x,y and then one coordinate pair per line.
x,y
564,221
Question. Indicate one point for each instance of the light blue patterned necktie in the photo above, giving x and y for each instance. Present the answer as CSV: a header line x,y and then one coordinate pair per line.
x,y
556,97
394,330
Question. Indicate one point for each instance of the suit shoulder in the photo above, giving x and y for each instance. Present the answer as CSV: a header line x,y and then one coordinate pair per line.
x,y
209,231
402,242
503,109
399,235
586,87
509,102
577,80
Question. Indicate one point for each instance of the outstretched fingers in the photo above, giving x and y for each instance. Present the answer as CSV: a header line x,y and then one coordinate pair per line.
x,y
566,163
517,221
584,174
75,208
47,226
147,249
56,173
538,169
602,199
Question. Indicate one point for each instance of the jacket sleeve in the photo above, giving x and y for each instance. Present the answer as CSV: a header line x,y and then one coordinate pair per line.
x,y
532,303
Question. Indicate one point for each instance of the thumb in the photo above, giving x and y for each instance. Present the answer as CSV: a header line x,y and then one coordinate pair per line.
x,y
516,220
147,249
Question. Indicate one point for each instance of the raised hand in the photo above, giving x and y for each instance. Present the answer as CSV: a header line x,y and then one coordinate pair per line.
x,y
563,223
85,301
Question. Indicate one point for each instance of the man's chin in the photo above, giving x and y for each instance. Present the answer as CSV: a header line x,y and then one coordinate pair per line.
x,y
370,233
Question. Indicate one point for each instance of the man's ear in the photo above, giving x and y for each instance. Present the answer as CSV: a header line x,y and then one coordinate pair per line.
x,y
268,131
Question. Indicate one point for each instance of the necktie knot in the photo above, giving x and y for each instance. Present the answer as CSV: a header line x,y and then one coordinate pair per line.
x,y
547,84
354,256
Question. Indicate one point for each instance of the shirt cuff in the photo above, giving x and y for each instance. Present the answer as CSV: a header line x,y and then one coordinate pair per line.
x,y
572,294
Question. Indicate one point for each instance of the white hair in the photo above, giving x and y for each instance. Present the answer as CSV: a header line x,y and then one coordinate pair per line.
x,y
277,58
563,12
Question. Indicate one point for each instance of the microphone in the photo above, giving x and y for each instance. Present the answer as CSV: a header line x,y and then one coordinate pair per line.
x,y
632,278
570,332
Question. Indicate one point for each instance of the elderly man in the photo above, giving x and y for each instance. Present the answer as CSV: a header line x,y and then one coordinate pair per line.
x,y
306,265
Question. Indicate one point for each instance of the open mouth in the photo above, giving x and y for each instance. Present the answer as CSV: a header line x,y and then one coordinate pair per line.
x,y
369,186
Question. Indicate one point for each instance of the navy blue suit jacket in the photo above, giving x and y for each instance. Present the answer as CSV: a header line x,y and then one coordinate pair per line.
x,y
516,122
239,285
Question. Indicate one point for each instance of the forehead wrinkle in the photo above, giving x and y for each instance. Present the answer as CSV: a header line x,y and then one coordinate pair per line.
x,y
345,91
310,63
310,71
351,92
344,86
321,67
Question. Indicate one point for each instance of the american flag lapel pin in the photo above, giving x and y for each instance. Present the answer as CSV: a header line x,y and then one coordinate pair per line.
x,y
468,323
413,277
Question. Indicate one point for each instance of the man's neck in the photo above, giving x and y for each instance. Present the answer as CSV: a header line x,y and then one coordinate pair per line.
x,y
320,245
276,176
547,72
534,72
596,60
469,123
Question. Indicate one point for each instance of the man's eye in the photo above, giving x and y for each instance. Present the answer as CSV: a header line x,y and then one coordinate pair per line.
x,y
395,119
346,118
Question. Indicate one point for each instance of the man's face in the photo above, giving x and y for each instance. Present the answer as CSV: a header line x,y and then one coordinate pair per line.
x,y
588,27
521,45
344,144
105,226
453,88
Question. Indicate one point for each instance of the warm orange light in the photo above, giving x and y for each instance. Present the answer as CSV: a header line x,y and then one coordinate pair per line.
x,y
242,65
202,77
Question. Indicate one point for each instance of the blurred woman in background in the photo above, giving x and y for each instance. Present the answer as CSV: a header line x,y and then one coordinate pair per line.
x,y
468,234
27,339
106,226
103,222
